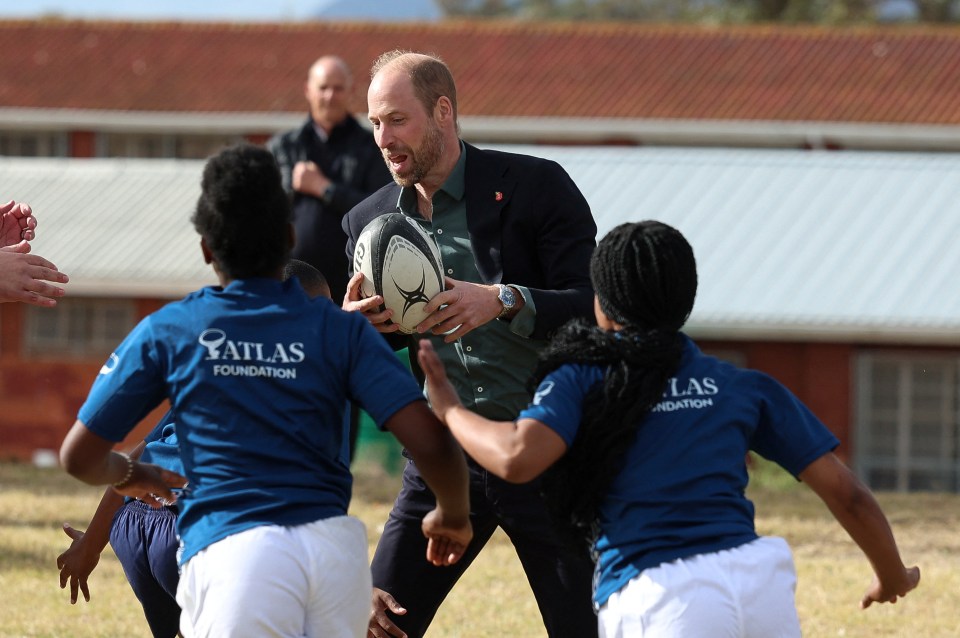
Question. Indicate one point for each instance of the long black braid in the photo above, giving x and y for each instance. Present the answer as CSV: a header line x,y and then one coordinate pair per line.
x,y
645,278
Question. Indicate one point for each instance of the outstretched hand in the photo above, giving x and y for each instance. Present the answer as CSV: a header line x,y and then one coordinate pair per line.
x,y
878,593
23,277
441,393
76,564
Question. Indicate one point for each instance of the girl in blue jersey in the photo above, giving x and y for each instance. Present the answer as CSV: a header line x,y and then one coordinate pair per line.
x,y
144,538
645,439
258,376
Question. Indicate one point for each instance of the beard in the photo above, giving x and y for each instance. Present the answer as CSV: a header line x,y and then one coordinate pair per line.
x,y
422,160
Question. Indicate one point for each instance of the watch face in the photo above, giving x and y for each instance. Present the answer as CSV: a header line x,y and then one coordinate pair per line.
x,y
507,297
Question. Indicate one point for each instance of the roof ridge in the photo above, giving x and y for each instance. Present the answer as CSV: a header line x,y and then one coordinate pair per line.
x,y
498,25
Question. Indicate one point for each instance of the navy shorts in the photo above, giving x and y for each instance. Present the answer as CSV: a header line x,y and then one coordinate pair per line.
x,y
145,541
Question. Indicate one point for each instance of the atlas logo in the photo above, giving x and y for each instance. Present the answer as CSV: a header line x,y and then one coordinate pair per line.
x,y
415,296
212,339
542,392
111,364
690,387
220,348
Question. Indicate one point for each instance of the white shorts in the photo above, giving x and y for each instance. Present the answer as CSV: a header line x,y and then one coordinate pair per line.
x,y
307,580
744,592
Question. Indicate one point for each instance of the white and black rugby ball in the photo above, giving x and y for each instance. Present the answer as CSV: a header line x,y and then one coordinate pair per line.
x,y
401,263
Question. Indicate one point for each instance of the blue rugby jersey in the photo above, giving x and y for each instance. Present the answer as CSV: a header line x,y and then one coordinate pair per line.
x,y
161,445
681,491
258,376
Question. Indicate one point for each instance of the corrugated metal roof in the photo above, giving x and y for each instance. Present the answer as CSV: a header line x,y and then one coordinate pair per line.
x,y
117,227
812,244
790,244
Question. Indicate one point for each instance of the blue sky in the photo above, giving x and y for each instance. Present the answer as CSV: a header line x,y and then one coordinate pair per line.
x,y
222,10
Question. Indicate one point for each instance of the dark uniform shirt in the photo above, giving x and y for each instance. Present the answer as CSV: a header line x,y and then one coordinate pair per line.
x,y
350,158
491,365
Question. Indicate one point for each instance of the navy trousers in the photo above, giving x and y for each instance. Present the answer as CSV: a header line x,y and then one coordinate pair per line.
x,y
145,541
560,576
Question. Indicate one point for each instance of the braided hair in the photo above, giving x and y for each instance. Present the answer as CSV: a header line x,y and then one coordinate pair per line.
x,y
645,278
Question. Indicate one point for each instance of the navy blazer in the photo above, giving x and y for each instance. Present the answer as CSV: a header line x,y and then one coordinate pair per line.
x,y
529,225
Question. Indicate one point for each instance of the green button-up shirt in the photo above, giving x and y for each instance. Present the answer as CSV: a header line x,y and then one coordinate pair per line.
x,y
490,367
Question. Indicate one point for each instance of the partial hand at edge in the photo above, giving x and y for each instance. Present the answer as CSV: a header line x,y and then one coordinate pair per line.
x,y
17,224
23,277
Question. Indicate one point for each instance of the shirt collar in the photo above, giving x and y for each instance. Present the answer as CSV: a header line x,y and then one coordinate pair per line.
x,y
319,130
263,286
454,185
456,182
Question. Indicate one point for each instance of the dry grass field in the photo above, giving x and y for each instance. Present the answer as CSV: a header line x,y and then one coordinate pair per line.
x,y
493,599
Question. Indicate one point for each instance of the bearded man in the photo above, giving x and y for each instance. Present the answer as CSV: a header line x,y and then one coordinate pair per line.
x,y
515,235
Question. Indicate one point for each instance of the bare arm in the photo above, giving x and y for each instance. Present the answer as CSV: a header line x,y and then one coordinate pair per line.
x,y
441,463
91,459
858,512
79,560
516,451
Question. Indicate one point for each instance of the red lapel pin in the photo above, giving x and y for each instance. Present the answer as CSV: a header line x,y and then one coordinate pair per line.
x,y
498,196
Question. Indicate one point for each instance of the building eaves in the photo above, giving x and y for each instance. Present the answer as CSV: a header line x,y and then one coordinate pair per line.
x,y
523,130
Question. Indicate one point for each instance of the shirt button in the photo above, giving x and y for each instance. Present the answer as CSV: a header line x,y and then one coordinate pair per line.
x,y
469,348
480,389
439,231
449,271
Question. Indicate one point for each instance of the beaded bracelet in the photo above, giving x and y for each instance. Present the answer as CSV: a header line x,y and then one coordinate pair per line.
x,y
126,479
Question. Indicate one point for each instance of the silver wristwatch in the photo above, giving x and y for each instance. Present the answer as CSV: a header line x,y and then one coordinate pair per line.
x,y
508,299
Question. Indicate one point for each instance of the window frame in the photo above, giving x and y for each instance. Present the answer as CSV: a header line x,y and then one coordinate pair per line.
x,y
910,470
78,327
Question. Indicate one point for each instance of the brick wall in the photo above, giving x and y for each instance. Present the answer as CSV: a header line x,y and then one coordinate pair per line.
x,y
39,397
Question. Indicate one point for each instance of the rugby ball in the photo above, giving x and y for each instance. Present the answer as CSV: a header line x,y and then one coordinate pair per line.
x,y
401,263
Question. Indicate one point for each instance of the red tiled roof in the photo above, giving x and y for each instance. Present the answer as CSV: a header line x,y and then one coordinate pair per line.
x,y
864,75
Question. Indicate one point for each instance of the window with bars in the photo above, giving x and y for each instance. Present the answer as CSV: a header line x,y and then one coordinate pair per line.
x,y
78,327
908,422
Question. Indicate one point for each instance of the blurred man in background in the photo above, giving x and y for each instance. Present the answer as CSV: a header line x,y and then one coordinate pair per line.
x,y
329,165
